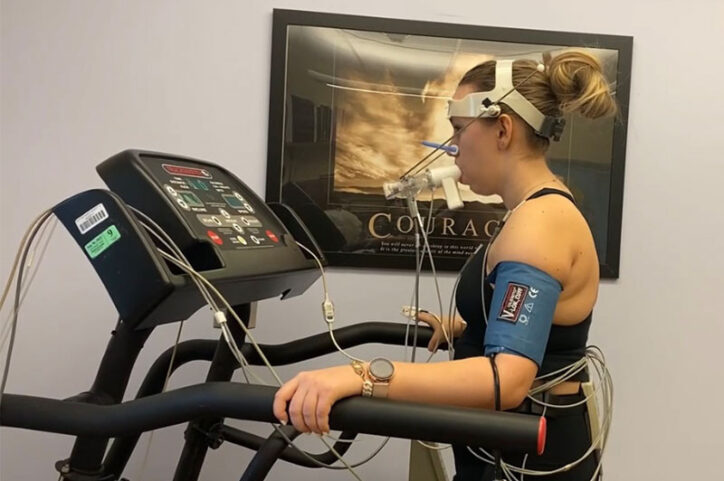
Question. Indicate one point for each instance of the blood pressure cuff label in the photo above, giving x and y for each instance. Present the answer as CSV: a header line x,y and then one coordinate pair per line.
x,y
521,311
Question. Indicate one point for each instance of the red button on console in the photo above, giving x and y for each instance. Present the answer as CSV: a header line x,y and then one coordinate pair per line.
x,y
272,236
214,237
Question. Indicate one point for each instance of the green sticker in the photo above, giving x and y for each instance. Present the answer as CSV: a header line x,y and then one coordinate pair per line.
x,y
102,241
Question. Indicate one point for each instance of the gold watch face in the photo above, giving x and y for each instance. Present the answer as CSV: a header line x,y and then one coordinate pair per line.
x,y
381,369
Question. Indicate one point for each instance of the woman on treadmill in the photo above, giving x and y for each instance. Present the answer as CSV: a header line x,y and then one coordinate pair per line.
x,y
527,299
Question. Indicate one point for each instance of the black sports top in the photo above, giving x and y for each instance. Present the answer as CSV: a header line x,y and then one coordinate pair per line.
x,y
566,344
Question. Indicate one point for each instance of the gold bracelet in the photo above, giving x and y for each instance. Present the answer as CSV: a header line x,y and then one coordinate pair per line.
x,y
366,383
358,368
367,388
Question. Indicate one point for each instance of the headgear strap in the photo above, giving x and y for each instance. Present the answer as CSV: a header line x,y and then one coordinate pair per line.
x,y
485,104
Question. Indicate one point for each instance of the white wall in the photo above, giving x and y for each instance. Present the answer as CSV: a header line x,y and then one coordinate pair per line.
x,y
82,80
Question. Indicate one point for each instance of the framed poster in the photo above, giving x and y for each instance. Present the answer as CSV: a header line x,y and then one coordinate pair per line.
x,y
351,100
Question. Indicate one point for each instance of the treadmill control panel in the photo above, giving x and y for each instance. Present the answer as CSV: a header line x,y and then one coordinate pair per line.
x,y
215,206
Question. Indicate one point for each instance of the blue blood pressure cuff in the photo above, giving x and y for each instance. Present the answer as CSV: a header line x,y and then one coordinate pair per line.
x,y
521,311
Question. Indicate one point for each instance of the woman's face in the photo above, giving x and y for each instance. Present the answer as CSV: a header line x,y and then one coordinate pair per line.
x,y
477,150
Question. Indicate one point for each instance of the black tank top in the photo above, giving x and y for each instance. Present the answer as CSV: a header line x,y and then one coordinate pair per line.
x,y
566,344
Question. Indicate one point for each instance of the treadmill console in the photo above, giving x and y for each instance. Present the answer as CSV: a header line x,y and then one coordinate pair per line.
x,y
227,233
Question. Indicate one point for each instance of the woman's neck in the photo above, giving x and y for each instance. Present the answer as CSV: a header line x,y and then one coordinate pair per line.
x,y
525,178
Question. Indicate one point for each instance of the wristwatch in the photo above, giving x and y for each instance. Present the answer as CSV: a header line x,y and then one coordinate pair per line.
x,y
381,371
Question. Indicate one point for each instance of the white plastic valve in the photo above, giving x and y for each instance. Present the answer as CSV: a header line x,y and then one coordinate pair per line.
x,y
447,177
438,174
452,193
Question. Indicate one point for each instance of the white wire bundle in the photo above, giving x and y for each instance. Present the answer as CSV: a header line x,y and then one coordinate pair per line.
x,y
21,260
220,317
33,262
603,390
423,228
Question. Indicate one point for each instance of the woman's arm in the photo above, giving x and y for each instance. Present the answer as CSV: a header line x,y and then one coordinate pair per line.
x,y
465,382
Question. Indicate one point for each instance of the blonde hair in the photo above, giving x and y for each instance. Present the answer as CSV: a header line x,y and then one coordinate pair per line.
x,y
572,82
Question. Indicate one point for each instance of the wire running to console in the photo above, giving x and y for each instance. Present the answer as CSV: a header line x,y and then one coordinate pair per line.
x,y
32,266
242,361
20,260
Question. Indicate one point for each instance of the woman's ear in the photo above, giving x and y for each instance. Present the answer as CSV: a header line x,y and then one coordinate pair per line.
x,y
505,131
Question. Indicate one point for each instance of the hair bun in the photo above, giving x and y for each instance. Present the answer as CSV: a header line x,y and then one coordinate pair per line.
x,y
577,80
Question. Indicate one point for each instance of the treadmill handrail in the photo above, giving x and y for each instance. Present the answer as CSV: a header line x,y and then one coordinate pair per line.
x,y
425,422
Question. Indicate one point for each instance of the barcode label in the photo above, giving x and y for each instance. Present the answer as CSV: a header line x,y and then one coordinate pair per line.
x,y
91,218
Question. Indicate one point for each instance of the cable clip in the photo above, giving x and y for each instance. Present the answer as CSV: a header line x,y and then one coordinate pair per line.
x,y
410,312
219,319
328,311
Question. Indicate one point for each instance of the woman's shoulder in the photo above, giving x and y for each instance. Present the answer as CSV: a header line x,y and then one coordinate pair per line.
x,y
544,232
